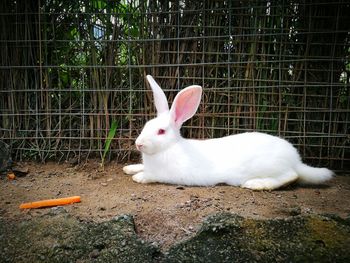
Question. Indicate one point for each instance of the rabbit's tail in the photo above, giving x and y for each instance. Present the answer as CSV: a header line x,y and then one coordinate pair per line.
x,y
312,175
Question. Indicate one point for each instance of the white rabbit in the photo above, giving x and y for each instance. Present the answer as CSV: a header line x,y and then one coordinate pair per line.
x,y
251,160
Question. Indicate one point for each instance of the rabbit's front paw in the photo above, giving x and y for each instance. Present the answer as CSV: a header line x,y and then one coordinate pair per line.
x,y
133,169
141,178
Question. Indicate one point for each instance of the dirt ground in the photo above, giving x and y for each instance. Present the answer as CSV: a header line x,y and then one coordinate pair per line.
x,y
164,214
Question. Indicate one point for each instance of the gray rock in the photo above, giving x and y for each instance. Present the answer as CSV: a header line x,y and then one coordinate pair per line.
x,y
59,237
62,238
232,238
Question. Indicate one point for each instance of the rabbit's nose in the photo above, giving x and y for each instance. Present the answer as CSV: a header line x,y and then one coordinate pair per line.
x,y
139,146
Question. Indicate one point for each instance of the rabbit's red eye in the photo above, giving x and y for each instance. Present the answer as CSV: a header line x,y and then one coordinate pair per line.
x,y
161,132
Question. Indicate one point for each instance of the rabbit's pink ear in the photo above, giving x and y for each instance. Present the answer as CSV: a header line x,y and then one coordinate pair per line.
x,y
185,104
160,100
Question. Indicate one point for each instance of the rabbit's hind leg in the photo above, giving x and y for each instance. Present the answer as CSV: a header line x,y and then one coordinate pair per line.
x,y
271,183
133,169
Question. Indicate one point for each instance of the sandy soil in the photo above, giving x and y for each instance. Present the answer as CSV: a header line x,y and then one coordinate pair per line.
x,y
164,214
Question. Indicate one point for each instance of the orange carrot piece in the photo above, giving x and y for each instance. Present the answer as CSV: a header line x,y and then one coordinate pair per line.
x,y
51,202
11,176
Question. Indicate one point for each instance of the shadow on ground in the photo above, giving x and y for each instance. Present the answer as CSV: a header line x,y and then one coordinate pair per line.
x,y
60,237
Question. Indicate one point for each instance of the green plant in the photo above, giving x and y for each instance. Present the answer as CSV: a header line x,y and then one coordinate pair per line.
x,y
109,138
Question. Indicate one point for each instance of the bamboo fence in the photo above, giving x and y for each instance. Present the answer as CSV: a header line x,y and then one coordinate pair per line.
x,y
70,68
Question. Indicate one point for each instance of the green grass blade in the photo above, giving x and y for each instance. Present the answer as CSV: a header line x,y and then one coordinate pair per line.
x,y
110,136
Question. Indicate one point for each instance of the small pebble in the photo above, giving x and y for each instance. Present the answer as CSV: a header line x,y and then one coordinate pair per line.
x,y
95,253
295,211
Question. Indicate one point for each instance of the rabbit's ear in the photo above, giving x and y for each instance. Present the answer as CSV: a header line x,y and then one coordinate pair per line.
x,y
160,100
185,104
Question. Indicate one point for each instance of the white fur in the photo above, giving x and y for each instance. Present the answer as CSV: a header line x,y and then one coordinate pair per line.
x,y
133,169
252,160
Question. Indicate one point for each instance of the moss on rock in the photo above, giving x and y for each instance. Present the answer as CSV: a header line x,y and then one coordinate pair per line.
x,y
232,238
62,238
223,237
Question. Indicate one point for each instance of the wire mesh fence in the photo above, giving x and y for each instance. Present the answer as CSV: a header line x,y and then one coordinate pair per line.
x,y
70,68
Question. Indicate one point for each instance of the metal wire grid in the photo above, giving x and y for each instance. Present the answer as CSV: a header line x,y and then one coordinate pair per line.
x,y
276,67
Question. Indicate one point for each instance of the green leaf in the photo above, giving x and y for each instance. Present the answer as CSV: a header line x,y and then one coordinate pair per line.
x,y
110,136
